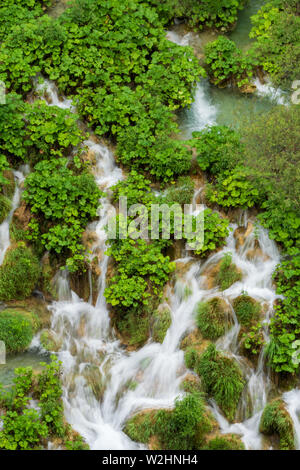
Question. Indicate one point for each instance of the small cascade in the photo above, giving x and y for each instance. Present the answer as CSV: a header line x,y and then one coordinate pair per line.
x,y
273,94
4,227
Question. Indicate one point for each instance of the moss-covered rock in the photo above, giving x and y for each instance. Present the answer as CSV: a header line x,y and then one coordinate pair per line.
x,y
225,442
228,273
17,328
161,323
276,420
191,383
213,318
141,427
247,310
19,273
5,207
221,377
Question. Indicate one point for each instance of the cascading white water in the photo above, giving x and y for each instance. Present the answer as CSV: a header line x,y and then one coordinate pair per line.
x,y
150,377
267,90
4,227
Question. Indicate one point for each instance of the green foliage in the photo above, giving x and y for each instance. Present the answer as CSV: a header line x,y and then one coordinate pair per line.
x,y
212,318
22,432
253,341
215,233
247,309
220,14
221,378
50,392
276,420
141,427
26,429
276,28
233,189
227,63
228,273
19,273
183,428
142,268
218,148
285,332
16,330
63,203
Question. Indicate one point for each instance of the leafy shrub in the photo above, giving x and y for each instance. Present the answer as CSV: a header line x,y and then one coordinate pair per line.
x,y
253,341
16,330
227,63
22,432
228,273
63,202
50,392
19,273
218,148
183,428
215,233
285,333
221,378
276,420
247,309
181,192
276,29
212,318
233,189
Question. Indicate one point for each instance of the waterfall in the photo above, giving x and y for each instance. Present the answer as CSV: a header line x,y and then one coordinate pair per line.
x,y
98,370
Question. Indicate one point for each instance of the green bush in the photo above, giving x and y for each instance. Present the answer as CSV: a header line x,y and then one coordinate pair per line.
x,y
213,318
226,63
22,432
17,329
215,233
221,378
228,273
233,189
183,428
247,309
218,149
276,420
19,273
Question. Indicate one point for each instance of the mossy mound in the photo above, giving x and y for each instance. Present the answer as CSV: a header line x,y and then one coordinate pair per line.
x,y
276,420
191,383
5,207
19,273
17,328
213,318
220,376
225,442
247,310
228,273
185,427
161,323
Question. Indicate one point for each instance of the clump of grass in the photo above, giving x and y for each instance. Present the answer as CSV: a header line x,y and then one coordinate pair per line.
x,y
5,207
225,442
247,309
228,273
276,420
161,323
221,377
213,318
